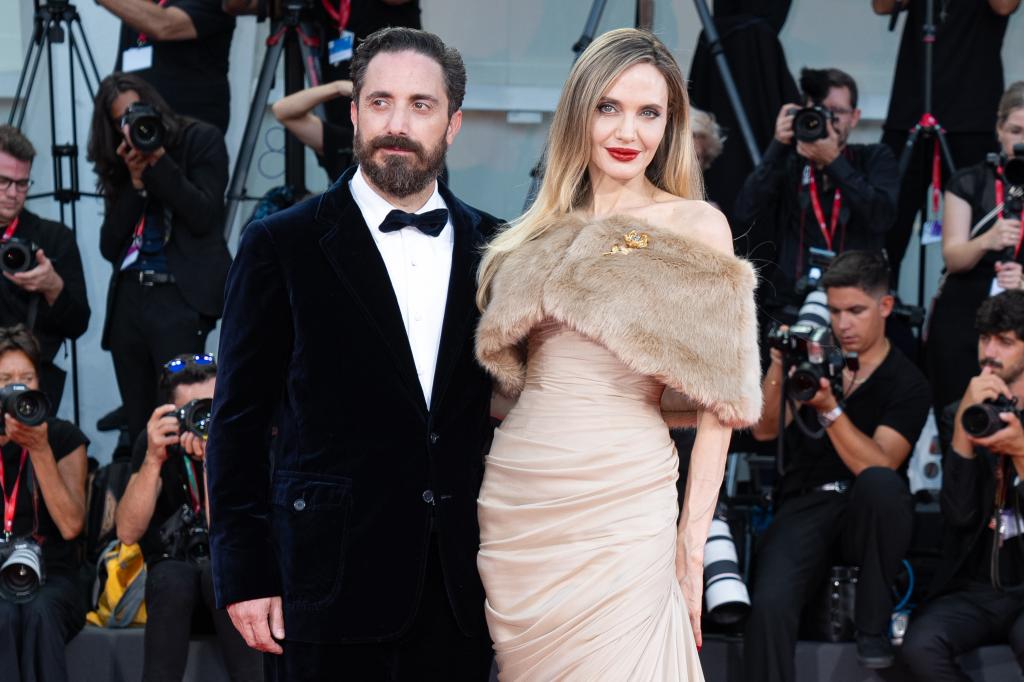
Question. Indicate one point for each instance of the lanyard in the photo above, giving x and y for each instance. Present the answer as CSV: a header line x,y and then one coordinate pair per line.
x,y
837,200
9,232
1000,197
143,38
340,14
11,500
936,180
193,486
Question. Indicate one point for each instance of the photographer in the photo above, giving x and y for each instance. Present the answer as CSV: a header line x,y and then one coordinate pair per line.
x,y
47,293
162,233
981,247
842,495
332,143
164,510
42,471
976,596
181,48
823,193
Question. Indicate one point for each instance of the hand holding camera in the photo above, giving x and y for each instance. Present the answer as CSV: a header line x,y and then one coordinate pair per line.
x,y
23,413
1003,235
33,272
161,432
1008,275
143,142
187,426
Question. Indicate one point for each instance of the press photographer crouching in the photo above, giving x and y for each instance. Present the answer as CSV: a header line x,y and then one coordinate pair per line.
x,y
163,178
843,497
42,471
977,595
164,510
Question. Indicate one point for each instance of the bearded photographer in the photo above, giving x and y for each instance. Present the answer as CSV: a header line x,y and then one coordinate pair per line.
x,y
163,178
164,510
42,475
976,596
843,497
42,286
822,192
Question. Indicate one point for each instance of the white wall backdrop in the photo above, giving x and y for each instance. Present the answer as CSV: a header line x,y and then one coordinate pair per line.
x,y
517,53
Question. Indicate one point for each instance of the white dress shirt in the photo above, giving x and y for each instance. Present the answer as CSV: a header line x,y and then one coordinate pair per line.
x,y
419,267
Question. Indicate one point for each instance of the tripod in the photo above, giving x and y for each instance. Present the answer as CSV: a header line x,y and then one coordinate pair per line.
x,y
56,22
927,128
294,37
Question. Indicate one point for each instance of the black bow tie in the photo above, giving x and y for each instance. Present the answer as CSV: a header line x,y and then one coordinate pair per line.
x,y
430,223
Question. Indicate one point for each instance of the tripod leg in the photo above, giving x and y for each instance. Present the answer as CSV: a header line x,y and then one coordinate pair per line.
x,y
908,152
294,80
947,155
28,77
311,65
252,130
93,71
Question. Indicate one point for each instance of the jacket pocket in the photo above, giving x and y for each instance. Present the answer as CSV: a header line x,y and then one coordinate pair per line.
x,y
309,518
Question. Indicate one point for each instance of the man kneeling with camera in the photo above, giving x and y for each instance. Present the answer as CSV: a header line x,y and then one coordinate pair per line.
x,y
851,420
164,510
976,593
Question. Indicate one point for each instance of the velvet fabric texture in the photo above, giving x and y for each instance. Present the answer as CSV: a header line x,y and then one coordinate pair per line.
x,y
363,477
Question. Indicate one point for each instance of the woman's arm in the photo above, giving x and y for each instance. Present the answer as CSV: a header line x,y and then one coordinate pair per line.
x,y
136,507
959,250
296,111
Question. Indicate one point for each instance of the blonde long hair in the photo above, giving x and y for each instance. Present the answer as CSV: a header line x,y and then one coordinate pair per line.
x,y
566,184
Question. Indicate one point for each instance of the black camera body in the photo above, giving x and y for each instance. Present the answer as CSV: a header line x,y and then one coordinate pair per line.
x,y
811,123
812,355
1013,175
194,416
818,261
17,255
146,131
184,536
982,419
28,406
22,570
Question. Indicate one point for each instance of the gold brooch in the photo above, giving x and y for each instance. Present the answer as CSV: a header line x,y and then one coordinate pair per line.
x,y
632,240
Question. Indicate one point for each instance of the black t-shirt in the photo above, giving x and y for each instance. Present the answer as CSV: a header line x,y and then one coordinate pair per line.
x,y
337,154
58,553
192,75
174,493
895,395
968,67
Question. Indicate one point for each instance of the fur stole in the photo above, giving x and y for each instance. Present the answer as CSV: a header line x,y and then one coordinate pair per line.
x,y
676,310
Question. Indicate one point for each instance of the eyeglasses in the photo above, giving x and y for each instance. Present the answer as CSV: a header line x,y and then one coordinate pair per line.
x,y
20,185
180,363
837,111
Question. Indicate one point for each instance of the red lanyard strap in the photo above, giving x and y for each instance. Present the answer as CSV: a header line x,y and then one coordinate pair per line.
x,y
1000,199
828,233
143,38
340,14
11,500
11,229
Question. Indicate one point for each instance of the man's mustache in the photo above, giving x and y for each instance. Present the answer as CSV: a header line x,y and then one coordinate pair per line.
x,y
396,142
991,362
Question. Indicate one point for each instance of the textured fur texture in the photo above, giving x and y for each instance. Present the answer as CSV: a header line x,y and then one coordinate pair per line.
x,y
677,310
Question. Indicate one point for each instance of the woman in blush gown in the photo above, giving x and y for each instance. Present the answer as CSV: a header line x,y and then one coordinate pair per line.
x,y
612,309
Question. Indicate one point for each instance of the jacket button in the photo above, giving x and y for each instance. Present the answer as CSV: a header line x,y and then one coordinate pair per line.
x,y
434,438
299,504
428,496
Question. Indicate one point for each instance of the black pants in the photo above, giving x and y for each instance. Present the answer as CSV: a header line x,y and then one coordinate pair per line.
x,y
958,622
433,649
149,326
174,589
33,634
967,149
869,527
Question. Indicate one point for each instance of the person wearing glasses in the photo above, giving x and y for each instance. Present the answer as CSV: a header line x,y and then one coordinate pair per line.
x,y
48,295
163,232
825,193
164,510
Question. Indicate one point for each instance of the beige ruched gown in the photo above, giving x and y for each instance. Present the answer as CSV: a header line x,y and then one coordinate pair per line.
x,y
578,524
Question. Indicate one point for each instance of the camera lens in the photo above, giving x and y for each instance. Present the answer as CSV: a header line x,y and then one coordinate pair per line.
x,y
810,125
982,420
14,257
803,384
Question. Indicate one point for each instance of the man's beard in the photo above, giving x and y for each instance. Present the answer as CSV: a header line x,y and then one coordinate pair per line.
x,y
399,175
1008,374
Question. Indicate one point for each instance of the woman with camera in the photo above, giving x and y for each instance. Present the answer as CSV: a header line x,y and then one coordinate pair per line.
x,y
164,510
163,178
981,245
42,475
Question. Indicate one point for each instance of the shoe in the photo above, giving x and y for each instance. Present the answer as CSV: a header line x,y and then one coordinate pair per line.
x,y
874,651
113,420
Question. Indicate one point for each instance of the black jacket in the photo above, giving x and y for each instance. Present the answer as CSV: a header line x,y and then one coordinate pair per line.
x,y
190,180
339,523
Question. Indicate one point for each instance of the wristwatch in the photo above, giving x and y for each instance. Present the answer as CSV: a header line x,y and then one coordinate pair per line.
x,y
827,419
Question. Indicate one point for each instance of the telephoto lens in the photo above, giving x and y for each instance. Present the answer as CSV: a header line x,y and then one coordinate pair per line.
x,y
21,569
28,406
983,419
725,593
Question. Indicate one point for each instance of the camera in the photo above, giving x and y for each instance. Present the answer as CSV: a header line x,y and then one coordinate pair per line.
x,y
1011,170
982,419
813,355
28,406
21,569
811,123
17,255
725,593
1013,167
818,261
194,416
145,128
184,536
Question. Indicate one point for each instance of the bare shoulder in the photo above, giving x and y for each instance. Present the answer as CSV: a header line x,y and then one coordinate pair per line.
x,y
694,219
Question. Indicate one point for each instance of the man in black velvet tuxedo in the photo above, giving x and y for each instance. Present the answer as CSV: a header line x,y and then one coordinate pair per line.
x,y
348,325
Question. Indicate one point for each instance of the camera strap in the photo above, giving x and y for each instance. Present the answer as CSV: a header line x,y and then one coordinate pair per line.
x,y
339,14
837,200
11,229
1000,191
11,500
193,485
143,38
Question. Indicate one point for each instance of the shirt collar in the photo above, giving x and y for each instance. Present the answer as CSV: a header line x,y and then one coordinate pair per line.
x,y
375,208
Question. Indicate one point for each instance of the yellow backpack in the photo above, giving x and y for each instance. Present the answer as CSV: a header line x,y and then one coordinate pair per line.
x,y
120,591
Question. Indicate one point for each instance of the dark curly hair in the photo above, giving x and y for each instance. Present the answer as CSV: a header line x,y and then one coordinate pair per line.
x,y
1002,313
19,338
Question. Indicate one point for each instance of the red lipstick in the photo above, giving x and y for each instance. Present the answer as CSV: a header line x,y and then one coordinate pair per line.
x,y
623,154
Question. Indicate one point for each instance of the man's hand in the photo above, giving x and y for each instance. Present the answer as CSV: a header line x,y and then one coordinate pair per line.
x,y
260,622
784,123
1004,234
1008,275
1008,441
821,152
42,279
161,431
135,161
35,439
193,445
985,386
823,400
